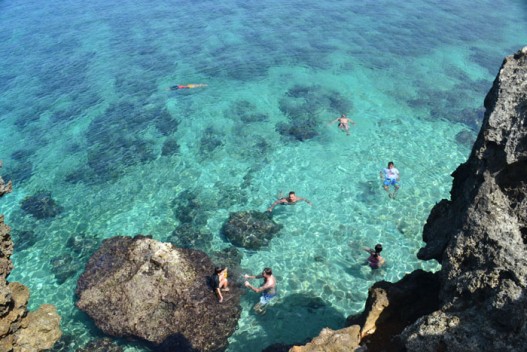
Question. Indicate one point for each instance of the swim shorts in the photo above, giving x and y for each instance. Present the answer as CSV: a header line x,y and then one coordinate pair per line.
x,y
390,182
266,298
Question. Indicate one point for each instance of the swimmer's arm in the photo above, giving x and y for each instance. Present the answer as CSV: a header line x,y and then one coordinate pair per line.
x,y
253,276
275,204
369,250
259,289
305,200
220,296
332,122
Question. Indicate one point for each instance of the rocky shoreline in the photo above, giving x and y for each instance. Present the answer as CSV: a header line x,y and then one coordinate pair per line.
x,y
21,330
478,300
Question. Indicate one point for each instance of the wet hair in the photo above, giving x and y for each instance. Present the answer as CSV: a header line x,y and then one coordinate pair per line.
x,y
218,269
267,271
378,248
390,163
290,193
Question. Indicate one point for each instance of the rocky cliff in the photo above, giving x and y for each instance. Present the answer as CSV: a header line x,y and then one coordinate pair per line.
x,y
478,301
20,330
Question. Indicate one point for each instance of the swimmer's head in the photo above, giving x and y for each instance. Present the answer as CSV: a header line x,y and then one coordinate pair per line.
x,y
378,248
391,164
267,272
292,196
219,269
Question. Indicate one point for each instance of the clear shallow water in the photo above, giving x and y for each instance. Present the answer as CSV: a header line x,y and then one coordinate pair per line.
x,y
85,114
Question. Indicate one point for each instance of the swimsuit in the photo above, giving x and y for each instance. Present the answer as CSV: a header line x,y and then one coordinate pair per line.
x,y
374,261
266,298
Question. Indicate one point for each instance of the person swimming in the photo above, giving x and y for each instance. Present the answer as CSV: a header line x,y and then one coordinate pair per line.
x,y
390,177
344,122
187,86
268,289
290,199
375,261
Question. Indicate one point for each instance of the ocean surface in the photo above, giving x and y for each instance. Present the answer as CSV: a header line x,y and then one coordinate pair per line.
x,y
86,116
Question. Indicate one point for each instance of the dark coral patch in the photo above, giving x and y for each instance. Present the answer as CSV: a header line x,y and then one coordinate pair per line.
x,y
250,229
41,205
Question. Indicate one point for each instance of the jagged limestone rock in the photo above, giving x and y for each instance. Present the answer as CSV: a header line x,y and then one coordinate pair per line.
x,y
142,288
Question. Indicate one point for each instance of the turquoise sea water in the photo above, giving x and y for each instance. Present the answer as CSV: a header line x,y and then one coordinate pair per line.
x,y
86,115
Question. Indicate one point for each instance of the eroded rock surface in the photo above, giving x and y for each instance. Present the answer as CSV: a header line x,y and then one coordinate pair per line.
x,y
20,330
479,237
142,288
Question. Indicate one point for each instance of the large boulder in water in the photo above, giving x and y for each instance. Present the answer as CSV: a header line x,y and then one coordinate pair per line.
x,y
139,287
250,229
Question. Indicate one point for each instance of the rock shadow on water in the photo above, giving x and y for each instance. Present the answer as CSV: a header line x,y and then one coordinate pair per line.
x,y
294,319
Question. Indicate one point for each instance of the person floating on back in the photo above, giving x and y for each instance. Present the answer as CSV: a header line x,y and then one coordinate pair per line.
x,y
375,260
187,86
220,282
344,122
390,177
289,200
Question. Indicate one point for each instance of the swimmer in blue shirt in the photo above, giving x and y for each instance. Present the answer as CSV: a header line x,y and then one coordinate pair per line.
x,y
268,289
390,177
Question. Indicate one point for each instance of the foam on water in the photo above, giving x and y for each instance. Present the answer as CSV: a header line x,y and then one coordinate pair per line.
x,y
85,114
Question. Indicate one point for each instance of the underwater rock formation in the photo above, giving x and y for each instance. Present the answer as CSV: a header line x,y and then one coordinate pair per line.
x,y
64,266
188,236
41,205
100,345
479,237
141,288
250,229
21,330
301,104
